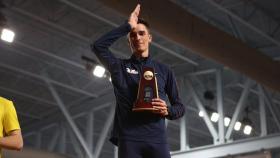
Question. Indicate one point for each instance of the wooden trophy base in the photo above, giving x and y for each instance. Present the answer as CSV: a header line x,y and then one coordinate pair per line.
x,y
143,107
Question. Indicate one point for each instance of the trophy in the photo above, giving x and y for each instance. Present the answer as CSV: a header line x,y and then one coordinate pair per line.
x,y
147,90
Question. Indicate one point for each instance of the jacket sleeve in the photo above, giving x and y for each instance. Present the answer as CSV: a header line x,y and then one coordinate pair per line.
x,y
101,46
177,109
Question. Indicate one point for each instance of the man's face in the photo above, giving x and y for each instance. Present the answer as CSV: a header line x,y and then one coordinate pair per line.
x,y
139,38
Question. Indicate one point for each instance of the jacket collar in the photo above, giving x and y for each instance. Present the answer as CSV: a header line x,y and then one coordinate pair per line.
x,y
144,60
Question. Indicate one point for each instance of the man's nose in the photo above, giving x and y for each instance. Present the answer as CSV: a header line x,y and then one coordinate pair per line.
x,y
138,36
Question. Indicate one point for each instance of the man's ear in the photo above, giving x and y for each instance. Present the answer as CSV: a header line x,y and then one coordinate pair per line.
x,y
150,37
129,43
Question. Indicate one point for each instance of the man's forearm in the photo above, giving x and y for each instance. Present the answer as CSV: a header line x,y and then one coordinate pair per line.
x,y
101,46
175,111
12,142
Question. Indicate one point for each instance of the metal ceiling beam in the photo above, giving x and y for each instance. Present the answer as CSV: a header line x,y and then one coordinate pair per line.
x,y
79,101
61,29
202,108
220,105
245,23
235,29
68,117
62,139
53,25
258,93
184,122
195,130
89,13
52,81
45,102
234,148
239,108
202,72
53,140
115,152
104,132
74,144
50,54
184,140
90,130
43,128
271,107
262,110
40,60
97,104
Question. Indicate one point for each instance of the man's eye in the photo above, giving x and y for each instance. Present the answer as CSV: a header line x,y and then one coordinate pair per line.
x,y
142,33
132,35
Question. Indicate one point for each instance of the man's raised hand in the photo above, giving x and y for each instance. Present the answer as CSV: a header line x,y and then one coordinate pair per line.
x,y
133,18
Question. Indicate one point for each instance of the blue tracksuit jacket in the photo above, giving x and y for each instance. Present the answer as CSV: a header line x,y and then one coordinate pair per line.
x,y
125,74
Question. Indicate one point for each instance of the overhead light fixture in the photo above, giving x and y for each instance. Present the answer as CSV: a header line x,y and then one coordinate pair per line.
x,y
214,117
200,114
92,66
7,35
247,129
226,121
247,123
237,126
99,71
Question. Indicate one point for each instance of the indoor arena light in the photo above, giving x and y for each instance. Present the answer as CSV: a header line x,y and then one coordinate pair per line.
x,y
226,121
7,35
201,114
237,126
99,71
214,117
247,129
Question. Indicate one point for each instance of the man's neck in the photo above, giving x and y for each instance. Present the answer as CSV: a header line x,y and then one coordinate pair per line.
x,y
144,54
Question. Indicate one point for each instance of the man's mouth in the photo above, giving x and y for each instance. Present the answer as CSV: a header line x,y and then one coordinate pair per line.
x,y
138,44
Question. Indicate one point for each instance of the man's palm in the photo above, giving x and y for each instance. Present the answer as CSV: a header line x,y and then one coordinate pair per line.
x,y
133,19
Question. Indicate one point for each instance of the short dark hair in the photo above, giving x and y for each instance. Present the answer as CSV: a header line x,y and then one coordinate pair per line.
x,y
144,22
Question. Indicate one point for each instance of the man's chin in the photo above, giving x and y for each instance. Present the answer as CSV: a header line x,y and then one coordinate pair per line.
x,y
139,51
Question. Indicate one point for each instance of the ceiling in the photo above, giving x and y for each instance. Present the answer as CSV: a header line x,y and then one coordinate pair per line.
x,y
45,76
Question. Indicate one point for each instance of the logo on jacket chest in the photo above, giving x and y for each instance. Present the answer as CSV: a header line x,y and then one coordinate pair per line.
x,y
131,71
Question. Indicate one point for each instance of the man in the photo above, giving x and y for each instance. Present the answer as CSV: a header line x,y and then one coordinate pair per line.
x,y
10,133
138,135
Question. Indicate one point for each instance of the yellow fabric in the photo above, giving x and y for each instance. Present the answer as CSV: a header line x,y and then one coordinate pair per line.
x,y
8,118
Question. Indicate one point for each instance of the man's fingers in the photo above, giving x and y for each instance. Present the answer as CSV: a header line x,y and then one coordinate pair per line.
x,y
158,101
160,110
133,18
158,104
137,10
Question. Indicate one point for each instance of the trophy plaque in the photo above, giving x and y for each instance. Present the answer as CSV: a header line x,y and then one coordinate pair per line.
x,y
147,90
